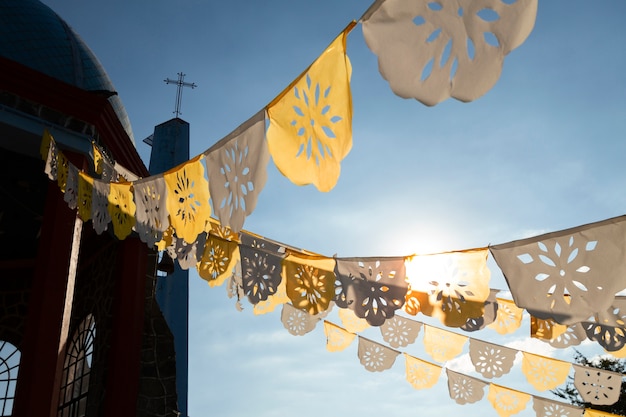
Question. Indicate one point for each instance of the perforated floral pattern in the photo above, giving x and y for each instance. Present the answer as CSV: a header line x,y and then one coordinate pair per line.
x,y
237,170
443,345
544,373
508,318
337,339
452,287
188,199
310,129
373,288
375,357
573,335
431,50
218,260
547,408
573,273
507,401
296,321
62,171
399,331
609,327
100,206
421,374
310,282
464,389
611,338
260,266
121,209
71,188
491,360
278,298
597,386
152,217
189,254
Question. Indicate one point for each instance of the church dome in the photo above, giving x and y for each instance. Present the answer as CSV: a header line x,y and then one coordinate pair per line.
x,y
35,36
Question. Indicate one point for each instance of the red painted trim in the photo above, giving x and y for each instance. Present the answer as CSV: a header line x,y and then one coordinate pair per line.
x,y
70,100
37,391
124,364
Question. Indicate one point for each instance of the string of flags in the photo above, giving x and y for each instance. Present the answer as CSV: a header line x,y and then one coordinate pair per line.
x,y
490,360
428,51
452,287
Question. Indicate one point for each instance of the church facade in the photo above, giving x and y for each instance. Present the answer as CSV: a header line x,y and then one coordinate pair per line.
x,y
81,333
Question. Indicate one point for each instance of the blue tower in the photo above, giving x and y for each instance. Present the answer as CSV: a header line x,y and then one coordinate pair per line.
x,y
170,147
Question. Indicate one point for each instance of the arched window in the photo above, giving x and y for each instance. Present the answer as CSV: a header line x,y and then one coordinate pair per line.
x,y
9,365
76,370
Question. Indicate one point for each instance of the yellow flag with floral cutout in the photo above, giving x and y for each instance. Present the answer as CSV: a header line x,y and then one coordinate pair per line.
x,y
218,260
443,345
507,401
310,129
310,281
188,199
337,338
544,373
421,374
122,209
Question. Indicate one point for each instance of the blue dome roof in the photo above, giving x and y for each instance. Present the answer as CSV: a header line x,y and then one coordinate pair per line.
x,y
35,36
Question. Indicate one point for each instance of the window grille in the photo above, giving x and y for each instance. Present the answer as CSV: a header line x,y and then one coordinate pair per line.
x,y
9,365
76,370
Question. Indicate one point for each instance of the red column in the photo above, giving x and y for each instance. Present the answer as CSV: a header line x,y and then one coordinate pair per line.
x,y
37,391
122,385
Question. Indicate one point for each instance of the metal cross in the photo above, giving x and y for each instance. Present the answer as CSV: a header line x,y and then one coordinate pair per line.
x,y
179,91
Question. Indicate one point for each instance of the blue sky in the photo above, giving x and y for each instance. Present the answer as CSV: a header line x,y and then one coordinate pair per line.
x,y
542,151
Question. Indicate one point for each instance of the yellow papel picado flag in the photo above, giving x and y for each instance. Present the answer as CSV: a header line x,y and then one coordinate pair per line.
x,y
310,129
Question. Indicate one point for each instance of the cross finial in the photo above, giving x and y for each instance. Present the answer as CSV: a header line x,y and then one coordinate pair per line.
x,y
179,90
